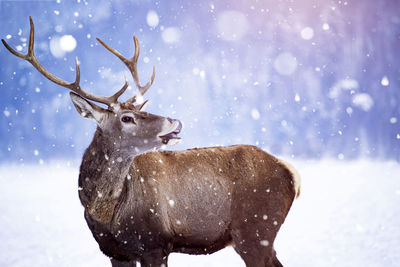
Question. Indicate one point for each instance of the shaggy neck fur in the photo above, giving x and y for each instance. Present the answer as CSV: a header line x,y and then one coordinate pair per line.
x,y
103,171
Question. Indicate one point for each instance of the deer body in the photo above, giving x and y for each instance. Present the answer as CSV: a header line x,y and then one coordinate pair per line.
x,y
194,201
141,205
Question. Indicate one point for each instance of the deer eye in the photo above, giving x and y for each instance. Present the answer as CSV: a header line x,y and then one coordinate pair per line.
x,y
127,119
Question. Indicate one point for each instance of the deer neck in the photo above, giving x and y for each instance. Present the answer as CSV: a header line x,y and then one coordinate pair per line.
x,y
102,174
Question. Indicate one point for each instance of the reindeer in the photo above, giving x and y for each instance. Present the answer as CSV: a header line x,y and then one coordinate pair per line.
x,y
142,203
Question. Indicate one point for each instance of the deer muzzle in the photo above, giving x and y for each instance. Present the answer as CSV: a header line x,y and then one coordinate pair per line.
x,y
172,132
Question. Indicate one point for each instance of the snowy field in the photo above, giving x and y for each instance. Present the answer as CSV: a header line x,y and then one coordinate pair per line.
x,y
347,215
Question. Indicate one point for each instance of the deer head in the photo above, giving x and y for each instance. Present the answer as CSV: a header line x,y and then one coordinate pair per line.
x,y
124,124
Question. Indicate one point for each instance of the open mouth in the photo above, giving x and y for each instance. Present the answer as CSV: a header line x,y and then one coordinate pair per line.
x,y
177,127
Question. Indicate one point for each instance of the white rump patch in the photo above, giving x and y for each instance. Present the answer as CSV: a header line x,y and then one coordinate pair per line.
x,y
295,176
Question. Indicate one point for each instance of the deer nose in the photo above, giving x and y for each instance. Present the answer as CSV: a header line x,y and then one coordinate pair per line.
x,y
172,120
179,127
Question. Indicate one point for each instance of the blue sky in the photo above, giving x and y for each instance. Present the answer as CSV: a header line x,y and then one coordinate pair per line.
x,y
304,79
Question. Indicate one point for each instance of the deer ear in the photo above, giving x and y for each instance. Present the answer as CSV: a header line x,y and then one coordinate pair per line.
x,y
87,109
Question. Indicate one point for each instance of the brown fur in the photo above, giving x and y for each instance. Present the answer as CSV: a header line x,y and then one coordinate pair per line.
x,y
194,201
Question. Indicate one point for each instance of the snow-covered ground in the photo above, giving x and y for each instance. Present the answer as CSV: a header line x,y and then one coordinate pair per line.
x,y
348,214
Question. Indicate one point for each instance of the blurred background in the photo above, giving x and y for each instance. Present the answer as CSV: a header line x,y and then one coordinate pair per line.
x,y
304,78
315,82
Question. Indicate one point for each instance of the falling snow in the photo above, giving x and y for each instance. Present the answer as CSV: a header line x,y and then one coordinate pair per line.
x,y
307,33
363,101
152,19
385,81
285,64
171,35
67,43
255,114
325,26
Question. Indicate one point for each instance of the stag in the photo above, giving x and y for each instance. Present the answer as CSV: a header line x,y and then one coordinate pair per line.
x,y
141,203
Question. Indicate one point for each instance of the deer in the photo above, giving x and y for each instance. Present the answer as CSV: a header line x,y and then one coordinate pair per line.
x,y
142,202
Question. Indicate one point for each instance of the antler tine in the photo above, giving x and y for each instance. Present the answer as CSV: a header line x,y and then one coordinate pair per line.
x,y
120,92
74,86
30,46
132,66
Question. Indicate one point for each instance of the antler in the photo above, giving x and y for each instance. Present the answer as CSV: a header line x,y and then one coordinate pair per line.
x,y
132,66
74,86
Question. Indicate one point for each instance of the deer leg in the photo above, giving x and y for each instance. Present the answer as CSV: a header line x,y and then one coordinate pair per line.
x,y
155,258
274,262
117,263
254,256
254,244
253,234
248,255
258,211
